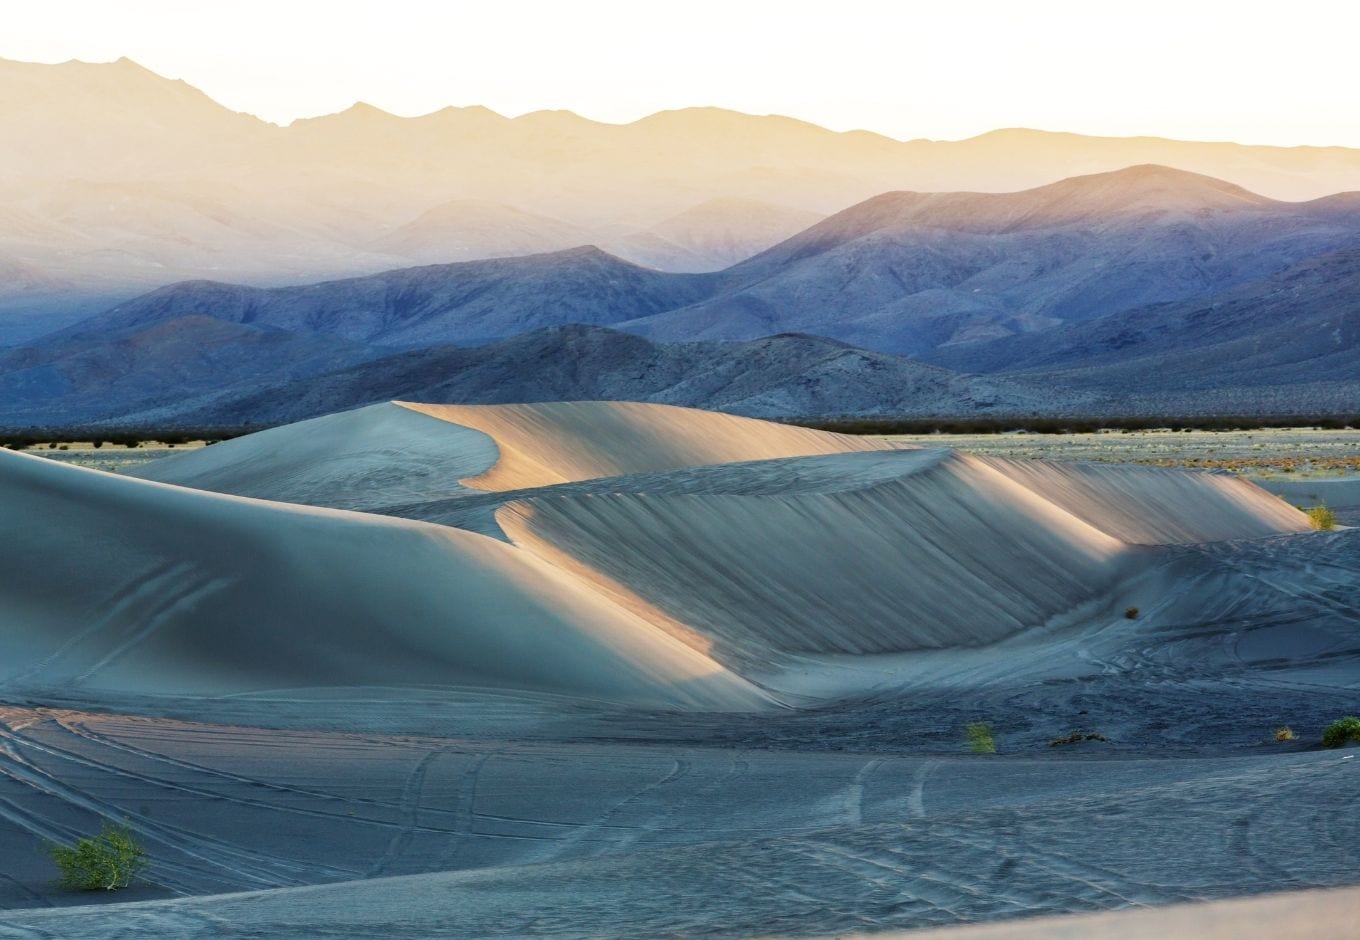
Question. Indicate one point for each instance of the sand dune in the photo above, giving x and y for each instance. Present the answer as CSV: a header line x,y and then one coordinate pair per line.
x,y
833,545
881,553
946,552
393,453
132,586
372,456
557,442
1157,506
581,664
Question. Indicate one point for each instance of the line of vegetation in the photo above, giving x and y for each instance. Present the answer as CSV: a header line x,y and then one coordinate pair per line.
x,y
25,438
1036,424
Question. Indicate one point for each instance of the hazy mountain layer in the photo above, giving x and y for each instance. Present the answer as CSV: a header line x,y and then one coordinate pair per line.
x,y
909,273
453,303
117,178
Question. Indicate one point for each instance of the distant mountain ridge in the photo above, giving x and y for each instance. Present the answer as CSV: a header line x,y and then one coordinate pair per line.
x,y
200,370
115,180
773,376
467,302
911,273
905,273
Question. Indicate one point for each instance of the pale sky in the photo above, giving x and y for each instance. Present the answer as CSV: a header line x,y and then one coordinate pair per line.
x,y
1250,71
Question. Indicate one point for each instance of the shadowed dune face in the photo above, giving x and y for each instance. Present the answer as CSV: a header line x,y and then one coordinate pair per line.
x,y
125,585
373,456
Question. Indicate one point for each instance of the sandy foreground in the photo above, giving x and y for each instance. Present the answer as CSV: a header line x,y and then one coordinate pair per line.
x,y
586,669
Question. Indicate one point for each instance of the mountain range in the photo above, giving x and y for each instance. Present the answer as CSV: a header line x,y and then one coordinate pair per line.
x,y
214,354
115,180
698,257
933,275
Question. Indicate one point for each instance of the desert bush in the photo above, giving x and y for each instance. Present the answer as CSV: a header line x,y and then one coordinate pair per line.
x,y
1342,731
1284,733
1322,518
980,740
1076,737
108,861
1131,613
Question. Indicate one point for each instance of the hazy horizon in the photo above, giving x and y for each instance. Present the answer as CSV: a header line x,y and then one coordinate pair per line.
x,y
924,73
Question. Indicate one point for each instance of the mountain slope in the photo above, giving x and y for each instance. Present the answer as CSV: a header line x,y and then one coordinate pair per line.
x,y
468,228
910,272
718,233
774,376
83,379
466,302
1300,319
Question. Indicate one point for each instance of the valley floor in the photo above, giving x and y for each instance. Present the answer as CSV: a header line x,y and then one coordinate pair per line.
x,y
362,810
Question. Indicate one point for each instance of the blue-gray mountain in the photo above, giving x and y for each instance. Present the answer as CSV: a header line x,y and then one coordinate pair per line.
x,y
1137,291
915,272
465,303
237,383
1286,344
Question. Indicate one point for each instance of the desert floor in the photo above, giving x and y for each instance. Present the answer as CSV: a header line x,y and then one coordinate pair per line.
x,y
711,680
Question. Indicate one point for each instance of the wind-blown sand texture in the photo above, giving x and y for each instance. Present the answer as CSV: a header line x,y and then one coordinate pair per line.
x,y
597,669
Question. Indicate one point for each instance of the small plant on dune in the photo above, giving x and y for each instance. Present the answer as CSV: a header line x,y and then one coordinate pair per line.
x,y
1343,731
1131,613
1322,518
980,740
1076,737
108,861
1284,733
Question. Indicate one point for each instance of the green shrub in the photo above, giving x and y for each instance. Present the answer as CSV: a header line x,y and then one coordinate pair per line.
x,y
1343,731
1076,737
1322,518
106,862
980,740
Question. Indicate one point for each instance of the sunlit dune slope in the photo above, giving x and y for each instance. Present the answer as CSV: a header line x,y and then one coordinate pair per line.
x,y
1154,505
129,586
944,552
403,452
875,553
557,442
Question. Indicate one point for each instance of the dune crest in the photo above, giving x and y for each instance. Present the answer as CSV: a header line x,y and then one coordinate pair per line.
x,y
559,442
